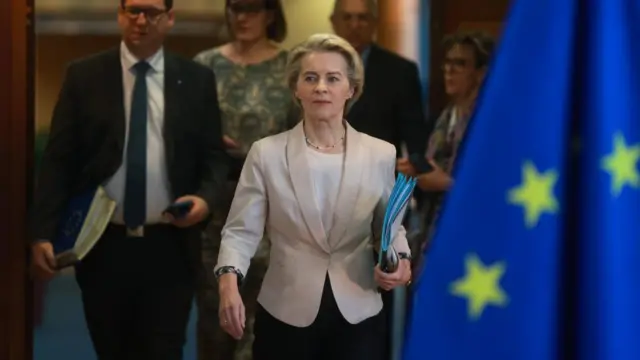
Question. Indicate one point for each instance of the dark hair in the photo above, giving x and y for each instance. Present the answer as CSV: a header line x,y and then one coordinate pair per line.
x,y
481,43
167,3
277,30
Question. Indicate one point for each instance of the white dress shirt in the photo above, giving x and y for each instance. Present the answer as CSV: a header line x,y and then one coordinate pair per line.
x,y
326,174
158,188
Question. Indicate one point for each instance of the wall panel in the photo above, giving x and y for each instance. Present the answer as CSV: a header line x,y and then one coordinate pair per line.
x,y
16,132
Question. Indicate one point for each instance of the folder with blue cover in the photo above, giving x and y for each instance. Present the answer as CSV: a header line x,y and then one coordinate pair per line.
x,y
396,207
83,223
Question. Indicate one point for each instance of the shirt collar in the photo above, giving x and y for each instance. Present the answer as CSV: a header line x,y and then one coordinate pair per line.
x,y
128,60
365,54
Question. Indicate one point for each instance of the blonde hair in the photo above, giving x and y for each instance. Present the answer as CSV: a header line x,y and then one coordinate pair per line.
x,y
327,43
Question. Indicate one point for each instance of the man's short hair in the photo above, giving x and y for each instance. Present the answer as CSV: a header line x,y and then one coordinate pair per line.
x,y
372,6
167,4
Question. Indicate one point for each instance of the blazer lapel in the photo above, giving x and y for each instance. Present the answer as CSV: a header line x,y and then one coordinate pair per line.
x,y
115,97
349,192
300,174
172,87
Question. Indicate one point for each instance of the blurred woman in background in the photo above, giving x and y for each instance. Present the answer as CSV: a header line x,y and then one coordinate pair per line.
x,y
255,102
465,65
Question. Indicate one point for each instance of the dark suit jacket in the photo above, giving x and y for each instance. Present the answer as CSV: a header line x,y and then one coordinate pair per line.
x,y
87,135
391,107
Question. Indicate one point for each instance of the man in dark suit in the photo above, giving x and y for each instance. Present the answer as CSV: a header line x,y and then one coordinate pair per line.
x,y
391,106
145,125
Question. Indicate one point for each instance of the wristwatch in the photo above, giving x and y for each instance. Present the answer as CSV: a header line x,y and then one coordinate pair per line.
x,y
404,256
229,270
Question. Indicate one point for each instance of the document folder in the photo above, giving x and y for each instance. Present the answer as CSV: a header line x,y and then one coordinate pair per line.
x,y
398,201
83,223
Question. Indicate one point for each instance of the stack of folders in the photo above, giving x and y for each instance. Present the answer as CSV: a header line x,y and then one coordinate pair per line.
x,y
398,200
83,223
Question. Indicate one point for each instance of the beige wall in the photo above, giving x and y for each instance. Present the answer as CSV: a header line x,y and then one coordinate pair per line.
x,y
198,6
306,17
53,52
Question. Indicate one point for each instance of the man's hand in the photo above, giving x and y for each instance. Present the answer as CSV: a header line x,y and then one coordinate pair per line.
x,y
198,212
43,262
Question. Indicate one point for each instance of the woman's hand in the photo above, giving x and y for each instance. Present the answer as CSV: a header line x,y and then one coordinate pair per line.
x,y
400,277
435,180
404,166
231,311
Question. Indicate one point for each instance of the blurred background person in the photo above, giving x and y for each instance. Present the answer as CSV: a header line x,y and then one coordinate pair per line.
x,y
255,102
391,105
465,65
320,190
124,121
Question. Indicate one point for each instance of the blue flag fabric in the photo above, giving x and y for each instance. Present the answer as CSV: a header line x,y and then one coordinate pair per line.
x,y
490,286
609,318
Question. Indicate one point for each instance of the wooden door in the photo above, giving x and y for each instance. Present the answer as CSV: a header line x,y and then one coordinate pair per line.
x,y
448,16
16,132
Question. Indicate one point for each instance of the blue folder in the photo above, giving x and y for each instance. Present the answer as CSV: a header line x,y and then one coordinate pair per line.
x,y
83,222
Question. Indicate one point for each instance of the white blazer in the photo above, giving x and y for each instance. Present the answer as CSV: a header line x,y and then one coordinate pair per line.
x,y
275,193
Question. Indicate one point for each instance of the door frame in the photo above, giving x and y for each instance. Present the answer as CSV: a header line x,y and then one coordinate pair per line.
x,y
16,162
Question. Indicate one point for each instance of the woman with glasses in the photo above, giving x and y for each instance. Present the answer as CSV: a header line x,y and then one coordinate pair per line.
x,y
465,65
255,102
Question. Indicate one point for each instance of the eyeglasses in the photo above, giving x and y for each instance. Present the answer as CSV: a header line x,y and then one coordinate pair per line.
x,y
458,64
454,64
152,15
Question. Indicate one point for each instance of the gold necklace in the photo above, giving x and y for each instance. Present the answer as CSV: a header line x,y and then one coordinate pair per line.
x,y
306,139
320,147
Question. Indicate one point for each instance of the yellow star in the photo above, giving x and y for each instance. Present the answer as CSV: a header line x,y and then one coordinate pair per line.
x,y
621,164
480,286
535,194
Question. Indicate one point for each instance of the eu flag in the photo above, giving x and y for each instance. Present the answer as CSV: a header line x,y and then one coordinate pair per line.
x,y
609,317
491,285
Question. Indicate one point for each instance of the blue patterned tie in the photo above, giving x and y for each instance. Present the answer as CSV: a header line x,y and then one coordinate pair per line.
x,y
135,197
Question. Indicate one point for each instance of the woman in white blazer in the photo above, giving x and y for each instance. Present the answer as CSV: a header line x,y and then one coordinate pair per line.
x,y
319,191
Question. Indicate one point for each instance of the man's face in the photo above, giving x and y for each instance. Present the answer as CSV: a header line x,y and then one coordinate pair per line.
x,y
354,22
144,23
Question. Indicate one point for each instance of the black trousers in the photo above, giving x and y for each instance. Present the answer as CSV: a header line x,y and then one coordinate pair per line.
x,y
137,294
387,301
330,337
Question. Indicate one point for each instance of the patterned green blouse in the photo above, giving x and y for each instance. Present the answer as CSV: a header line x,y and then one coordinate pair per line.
x,y
255,100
